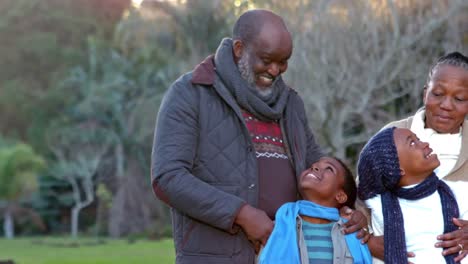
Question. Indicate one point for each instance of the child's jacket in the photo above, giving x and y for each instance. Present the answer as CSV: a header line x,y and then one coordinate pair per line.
x,y
341,253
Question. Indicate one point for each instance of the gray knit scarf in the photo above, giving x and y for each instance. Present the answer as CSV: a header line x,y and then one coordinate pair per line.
x,y
281,105
268,108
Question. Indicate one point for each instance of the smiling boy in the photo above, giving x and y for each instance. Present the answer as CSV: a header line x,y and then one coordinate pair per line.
x,y
309,231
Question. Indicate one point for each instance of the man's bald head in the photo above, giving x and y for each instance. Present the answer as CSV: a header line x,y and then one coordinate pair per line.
x,y
250,23
262,46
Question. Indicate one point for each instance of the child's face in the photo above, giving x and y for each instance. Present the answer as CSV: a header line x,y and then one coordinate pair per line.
x,y
322,182
416,158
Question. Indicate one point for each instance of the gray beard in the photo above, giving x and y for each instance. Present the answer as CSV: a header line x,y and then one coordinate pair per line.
x,y
248,75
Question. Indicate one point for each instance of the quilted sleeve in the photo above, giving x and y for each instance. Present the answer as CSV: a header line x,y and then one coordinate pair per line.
x,y
173,154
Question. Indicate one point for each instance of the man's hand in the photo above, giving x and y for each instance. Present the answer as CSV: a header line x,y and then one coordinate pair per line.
x,y
357,221
456,241
376,247
256,225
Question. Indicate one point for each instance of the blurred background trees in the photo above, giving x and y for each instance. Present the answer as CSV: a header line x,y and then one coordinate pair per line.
x,y
360,64
18,168
81,82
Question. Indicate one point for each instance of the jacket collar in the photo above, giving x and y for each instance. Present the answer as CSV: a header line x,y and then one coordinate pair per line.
x,y
204,73
463,156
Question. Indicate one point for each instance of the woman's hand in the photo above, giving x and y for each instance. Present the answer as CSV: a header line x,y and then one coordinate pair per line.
x,y
376,246
456,241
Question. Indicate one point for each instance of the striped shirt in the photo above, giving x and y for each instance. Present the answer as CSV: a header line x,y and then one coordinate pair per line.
x,y
319,242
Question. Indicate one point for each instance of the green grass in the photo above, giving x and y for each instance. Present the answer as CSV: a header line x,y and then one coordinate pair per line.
x,y
52,250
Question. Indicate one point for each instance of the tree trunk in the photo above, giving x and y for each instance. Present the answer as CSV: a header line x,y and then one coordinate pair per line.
x,y
75,217
75,213
8,224
134,189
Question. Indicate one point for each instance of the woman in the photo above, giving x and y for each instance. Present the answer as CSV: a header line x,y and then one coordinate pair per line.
x,y
441,123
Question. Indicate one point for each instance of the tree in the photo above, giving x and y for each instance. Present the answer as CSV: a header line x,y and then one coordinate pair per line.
x,y
19,166
360,64
194,29
79,150
122,83
40,41
117,92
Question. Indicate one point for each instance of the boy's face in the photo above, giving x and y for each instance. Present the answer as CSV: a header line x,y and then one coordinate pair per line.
x,y
323,182
416,158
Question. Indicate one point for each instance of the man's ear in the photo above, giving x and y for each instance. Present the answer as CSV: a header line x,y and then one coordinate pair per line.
x,y
237,49
402,172
341,197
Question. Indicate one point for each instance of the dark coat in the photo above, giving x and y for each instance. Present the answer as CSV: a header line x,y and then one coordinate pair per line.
x,y
204,166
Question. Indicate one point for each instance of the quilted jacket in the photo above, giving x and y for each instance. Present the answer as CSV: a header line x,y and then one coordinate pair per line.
x,y
204,166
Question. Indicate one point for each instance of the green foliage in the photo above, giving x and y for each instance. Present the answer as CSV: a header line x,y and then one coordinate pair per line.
x,y
68,70
41,40
51,201
105,196
115,92
19,165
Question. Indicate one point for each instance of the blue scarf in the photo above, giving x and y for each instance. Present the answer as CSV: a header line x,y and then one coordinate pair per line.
x,y
282,245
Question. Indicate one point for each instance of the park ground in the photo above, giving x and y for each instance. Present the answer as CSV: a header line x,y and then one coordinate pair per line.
x,y
56,250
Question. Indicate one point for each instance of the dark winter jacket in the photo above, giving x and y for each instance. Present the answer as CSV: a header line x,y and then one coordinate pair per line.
x,y
204,166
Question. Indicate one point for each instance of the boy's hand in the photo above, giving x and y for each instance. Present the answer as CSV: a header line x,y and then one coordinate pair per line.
x,y
456,241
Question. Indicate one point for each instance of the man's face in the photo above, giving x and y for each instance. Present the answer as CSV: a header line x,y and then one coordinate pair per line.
x,y
446,99
265,58
246,71
415,157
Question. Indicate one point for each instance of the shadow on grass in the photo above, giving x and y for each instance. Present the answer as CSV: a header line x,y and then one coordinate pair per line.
x,y
68,244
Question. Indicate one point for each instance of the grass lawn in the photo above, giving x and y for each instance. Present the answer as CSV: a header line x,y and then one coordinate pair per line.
x,y
52,250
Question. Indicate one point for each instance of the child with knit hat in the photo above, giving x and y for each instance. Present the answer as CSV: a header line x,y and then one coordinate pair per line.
x,y
398,184
309,230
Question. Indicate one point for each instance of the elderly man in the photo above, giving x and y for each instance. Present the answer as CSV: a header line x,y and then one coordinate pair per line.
x,y
230,142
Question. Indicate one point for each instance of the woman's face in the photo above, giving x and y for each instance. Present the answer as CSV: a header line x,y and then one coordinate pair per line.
x,y
446,99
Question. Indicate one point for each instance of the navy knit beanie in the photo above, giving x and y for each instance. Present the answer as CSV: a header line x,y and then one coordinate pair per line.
x,y
378,166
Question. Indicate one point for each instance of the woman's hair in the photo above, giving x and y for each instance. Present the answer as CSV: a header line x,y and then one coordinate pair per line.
x,y
453,59
349,185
